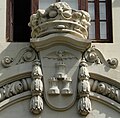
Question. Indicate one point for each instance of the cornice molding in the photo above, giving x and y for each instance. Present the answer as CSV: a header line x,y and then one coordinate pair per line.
x,y
66,39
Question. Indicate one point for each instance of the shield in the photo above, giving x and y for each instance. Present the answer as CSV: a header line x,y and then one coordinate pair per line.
x,y
60,66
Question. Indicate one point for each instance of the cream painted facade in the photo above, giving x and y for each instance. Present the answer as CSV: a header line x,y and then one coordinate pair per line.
x,y
17,65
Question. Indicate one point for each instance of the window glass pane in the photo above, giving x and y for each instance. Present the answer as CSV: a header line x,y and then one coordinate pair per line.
x,y
103,30
102,0
43,4
91,10
91,0
102,11
72,3
92,31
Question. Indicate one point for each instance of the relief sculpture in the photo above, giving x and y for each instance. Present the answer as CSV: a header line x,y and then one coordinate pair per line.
x,y
84,103
60,76
36,103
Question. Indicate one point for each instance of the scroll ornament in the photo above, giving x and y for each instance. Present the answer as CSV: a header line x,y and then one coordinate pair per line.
x,y
36,103
93,55
14,88
25,55
84,103
105,89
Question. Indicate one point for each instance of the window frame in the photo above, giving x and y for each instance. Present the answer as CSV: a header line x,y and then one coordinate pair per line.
x,y
9,21
109,32
10,17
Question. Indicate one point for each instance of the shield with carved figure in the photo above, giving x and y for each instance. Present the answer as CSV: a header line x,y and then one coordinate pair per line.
x,y
60,66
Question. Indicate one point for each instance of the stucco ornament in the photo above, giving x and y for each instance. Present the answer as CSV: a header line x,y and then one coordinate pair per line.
x,y
93,55
60,69
59,17
36,103
60,73
14,88
24,55
105,89
84,103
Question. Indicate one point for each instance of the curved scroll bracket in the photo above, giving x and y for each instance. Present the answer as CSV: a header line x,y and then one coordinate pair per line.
x,y
27,54
93,55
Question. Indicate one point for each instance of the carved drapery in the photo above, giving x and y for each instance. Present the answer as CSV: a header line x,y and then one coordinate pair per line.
x,y
36,103
84,103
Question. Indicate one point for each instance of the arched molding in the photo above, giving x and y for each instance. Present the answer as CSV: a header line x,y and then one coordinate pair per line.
x,y
104,100
106,87
14,81
11,75
14,73
12,100
114,81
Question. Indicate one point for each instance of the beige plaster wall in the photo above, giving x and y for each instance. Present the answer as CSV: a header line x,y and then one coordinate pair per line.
x,y
2,20
112,49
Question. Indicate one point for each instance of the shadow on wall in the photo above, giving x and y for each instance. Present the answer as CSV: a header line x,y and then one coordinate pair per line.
x,y
116,3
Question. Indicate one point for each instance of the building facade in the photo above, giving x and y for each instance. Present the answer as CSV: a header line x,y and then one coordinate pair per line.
x,y
69,68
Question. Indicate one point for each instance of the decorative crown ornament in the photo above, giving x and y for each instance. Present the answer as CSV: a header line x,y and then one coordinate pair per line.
x,y
59,17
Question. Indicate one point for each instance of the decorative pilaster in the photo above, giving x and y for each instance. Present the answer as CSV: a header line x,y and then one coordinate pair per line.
x,y
36,103
84,103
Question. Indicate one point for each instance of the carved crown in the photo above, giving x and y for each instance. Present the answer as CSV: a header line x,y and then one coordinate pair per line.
x,y
59,17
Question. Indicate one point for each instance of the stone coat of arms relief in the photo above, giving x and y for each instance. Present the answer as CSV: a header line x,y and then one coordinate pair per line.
x,y
60,69
59,35
61,55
